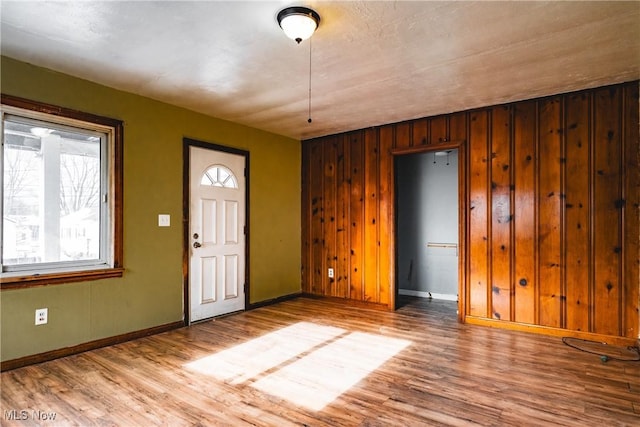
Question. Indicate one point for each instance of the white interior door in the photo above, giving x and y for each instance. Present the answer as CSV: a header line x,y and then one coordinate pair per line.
x,y
216,233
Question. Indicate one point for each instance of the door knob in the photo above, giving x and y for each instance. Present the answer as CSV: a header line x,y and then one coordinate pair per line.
x,y
196,245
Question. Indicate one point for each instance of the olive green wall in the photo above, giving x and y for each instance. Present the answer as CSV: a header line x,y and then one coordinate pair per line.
x,y
150,293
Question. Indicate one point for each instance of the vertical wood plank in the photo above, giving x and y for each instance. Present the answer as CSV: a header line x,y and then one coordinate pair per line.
x,y
458,127
420,132
403,135
501,213
371,166
524,211
386,198
549,229
478,213
356,259
317,206
329,154
631,177
463,242
607,211
577,215
438,130
342,219
305,220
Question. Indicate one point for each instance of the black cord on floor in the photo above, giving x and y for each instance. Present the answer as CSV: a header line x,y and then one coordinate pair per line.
x,y
603,357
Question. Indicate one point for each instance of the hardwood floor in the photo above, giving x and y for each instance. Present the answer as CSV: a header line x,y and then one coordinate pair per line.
x,y
316,363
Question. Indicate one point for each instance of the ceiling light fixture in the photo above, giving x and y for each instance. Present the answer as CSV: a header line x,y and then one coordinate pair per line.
x,y
298,23
441,154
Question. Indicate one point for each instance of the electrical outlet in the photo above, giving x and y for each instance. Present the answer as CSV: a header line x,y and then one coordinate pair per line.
x,y
331,273
42,316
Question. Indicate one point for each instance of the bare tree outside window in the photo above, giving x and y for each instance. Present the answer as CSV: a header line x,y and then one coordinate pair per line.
x,y
79,175
52,186
80,200
20,173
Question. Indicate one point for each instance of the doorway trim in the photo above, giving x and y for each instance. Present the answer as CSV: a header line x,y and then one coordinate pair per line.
x,y
186,164
462,219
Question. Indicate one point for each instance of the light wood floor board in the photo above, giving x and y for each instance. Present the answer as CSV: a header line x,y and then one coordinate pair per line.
x,y
309,362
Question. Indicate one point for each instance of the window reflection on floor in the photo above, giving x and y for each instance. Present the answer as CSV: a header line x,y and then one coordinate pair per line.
x,y
247,360
307,364
317,379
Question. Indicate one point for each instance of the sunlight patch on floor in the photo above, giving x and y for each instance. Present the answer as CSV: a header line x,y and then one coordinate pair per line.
x,y
320,377
248,360
307,364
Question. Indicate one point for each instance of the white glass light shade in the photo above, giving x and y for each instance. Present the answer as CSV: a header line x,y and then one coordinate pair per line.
x,y
298,23
298,27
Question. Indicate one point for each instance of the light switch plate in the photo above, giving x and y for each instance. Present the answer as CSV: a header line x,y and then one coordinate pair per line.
x,y
164,220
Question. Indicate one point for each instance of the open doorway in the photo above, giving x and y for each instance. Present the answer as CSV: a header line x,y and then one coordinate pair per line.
x,y
427,227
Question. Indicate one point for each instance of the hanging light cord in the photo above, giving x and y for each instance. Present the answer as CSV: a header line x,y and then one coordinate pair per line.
x,y
309,119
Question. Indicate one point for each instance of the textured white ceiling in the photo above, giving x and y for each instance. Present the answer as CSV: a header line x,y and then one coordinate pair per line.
x,y
372,62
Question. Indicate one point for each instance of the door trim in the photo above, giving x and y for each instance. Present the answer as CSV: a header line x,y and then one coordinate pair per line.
x,y
462,220
186,144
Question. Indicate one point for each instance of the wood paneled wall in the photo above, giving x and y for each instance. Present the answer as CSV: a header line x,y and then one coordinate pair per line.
x,y
550,196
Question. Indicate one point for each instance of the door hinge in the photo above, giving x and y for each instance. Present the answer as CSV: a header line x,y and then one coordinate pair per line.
x,y
244,230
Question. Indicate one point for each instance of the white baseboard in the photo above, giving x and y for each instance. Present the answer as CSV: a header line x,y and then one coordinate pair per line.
x,y
424,294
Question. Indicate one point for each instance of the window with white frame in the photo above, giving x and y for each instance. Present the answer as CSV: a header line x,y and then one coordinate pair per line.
x,y
61,176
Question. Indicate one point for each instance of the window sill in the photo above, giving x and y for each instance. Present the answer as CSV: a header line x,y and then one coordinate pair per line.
x,y
41,279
